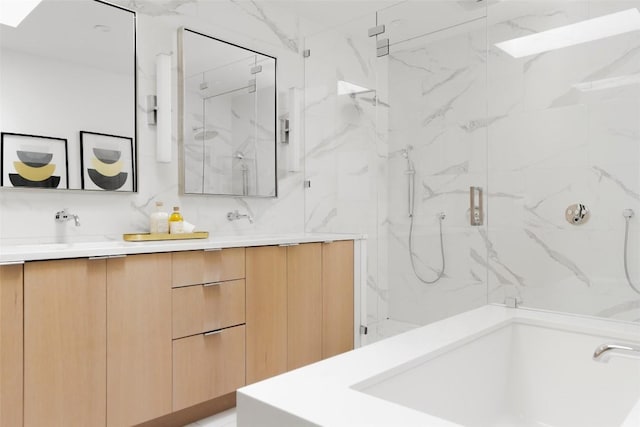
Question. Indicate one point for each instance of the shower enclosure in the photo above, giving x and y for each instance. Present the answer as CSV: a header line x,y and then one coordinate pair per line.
x,y
411,110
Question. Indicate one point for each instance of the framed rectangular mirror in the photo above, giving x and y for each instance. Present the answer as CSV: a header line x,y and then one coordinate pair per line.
x,y
68,70
227,123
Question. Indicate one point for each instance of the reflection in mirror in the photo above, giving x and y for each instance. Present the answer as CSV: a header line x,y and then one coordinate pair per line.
x,y
70,67
228,118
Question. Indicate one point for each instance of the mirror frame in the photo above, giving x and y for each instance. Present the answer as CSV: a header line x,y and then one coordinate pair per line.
x,y
136,170
182,112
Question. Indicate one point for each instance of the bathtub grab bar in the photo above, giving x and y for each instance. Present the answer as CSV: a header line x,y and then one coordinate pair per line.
x,y
603,352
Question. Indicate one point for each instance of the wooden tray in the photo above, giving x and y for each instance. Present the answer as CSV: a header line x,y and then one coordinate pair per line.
x,y
148,237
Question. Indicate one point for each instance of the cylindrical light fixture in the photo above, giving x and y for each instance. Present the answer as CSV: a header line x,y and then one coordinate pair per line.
x,y
295,129
163,91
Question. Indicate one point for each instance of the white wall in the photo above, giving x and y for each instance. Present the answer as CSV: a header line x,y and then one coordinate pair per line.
x,y
28,215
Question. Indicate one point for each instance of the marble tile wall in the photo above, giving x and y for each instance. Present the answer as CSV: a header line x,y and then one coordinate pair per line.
x,y
436,91
552,144
519,128
28,216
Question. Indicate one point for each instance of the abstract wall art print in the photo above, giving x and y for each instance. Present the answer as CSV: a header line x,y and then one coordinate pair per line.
x,y
106,162
33,161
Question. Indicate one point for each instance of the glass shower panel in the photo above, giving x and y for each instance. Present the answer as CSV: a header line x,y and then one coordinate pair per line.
x,y
341,159
564,128
431,114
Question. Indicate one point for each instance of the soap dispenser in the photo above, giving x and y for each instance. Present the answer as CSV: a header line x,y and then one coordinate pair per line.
x,y
159,220
176,222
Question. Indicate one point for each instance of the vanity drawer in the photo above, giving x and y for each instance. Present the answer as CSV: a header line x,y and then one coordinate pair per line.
x,y
208,366
198,267
208,307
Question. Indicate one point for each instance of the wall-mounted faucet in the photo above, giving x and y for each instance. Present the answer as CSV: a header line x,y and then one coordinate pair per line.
x,y
235,215
64,215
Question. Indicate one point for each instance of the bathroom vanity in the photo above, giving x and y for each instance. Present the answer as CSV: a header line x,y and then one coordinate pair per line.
x,y
119,334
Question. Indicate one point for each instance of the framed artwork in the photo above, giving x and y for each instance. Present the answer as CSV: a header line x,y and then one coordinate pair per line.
x,y
106,162
33,161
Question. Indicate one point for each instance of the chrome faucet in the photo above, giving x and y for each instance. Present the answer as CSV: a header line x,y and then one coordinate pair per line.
x,y
64,215
605,351
235,215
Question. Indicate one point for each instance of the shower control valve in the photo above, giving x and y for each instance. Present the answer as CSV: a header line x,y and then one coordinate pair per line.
x,y
577,214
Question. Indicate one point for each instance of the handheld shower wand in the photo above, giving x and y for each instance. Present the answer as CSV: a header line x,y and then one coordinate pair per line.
x,y
411,178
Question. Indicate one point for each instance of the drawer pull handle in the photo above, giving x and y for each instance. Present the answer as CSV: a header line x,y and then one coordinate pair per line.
x,y
208,334
207,285
284,245
213,249
98,257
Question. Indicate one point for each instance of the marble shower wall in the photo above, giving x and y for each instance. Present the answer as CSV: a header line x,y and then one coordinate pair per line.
x,y
28,216
524,129
435,87
556,139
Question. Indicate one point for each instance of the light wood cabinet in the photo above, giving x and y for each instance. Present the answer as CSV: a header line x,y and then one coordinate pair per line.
x,y
138,338
299,305
11,345
304,304
206,366
266,269
65,343
337,298
207,307
208,266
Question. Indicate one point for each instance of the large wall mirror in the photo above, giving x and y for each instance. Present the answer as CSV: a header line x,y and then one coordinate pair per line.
x,y
68,97
228,118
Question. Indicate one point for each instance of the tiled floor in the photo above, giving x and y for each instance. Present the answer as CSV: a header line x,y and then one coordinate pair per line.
x,y
223,419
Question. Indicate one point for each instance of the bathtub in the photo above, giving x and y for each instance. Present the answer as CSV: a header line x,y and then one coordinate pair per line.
x,y
493,366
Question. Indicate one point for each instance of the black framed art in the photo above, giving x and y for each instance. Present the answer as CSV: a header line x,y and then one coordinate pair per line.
x,y
33,161
106,162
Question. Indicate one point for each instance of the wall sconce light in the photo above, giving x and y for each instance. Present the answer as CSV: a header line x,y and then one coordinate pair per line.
x,y
159,108
291,128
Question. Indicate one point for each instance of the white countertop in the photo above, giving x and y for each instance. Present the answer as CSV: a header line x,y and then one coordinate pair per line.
x,y
33,252
321,394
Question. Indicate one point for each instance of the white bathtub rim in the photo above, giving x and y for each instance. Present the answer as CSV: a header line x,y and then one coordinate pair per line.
x,y
323,393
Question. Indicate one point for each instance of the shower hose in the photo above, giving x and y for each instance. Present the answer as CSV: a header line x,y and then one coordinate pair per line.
x,y
441,217
626,244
